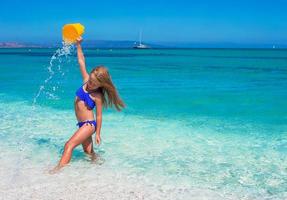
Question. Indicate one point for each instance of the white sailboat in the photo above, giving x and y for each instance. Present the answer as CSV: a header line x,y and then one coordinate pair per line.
x,y
140,45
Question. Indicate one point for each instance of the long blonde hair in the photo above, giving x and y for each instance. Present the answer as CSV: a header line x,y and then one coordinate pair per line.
x,y
107,88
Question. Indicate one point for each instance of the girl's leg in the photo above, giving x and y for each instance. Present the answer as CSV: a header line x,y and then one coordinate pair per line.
x,y
79,137
88,145
88,148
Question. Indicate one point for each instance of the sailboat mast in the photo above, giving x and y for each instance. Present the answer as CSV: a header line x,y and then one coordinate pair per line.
x,y
140,36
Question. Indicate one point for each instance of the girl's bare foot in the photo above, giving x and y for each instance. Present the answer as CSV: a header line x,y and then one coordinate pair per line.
x,y
55,170
95,158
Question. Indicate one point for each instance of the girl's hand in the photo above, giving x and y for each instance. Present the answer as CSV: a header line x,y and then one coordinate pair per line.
x,y
79,40
98,139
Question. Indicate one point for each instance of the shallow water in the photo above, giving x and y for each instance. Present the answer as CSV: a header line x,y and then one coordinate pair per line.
x,y
199,124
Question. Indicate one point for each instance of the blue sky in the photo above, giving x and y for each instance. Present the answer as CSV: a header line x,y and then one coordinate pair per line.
x,y
205,21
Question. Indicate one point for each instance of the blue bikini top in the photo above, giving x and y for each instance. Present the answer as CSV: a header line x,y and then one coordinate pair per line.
x,y
85,96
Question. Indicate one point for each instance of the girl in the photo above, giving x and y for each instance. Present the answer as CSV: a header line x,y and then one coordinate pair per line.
x,y
97,91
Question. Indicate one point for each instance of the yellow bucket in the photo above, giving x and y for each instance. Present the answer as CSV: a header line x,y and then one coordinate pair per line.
x,y
71,32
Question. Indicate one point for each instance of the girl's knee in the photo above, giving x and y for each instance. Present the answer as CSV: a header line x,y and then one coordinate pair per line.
x,y
69,146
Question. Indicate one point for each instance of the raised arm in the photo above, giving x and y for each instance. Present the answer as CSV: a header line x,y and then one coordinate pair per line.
x,y
81,60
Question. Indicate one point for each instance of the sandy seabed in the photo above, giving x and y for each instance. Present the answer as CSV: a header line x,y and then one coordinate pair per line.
x,y
91,181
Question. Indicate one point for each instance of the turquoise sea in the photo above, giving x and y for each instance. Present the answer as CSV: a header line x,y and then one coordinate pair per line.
x,y
199,124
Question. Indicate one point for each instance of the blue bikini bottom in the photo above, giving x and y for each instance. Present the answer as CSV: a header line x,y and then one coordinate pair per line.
x,y
92,122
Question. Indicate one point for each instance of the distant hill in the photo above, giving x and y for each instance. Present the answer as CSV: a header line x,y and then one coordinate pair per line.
x,y
10,45
17,45
87,43
109,44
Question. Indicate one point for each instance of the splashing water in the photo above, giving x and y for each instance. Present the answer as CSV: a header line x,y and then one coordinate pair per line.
x,y
53,69
49,90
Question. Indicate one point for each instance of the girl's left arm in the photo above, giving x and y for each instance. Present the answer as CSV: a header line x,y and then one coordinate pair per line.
x,y
99,106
